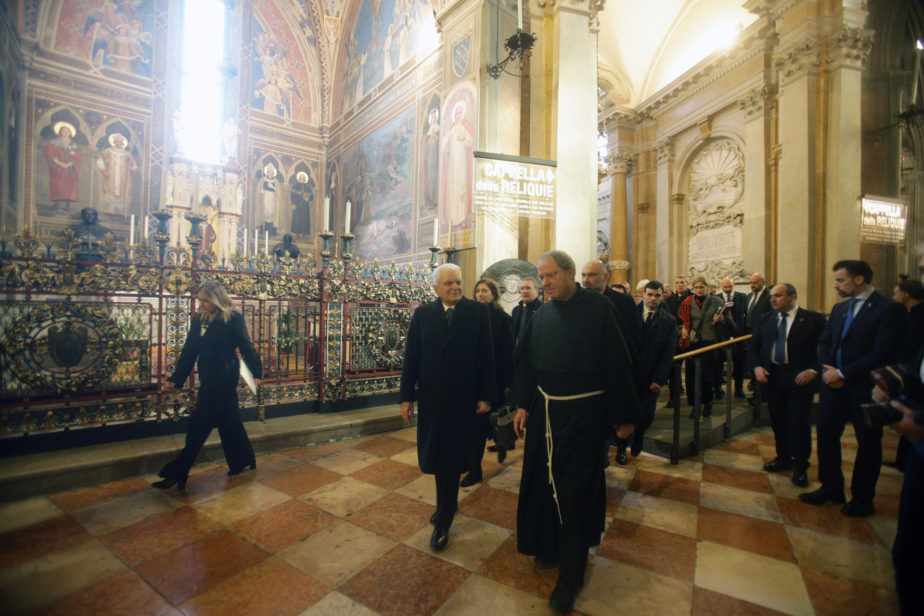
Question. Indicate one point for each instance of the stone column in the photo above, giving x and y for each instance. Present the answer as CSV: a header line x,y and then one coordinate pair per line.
x,y
680,235
755,202
663,243
619,219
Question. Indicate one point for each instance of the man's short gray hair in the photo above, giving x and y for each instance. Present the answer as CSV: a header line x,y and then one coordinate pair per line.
x,y
445,267
561,258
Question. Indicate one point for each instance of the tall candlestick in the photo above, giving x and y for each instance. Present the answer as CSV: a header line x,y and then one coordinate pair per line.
x,y
519,14
131,233
326,225
917,71
147,227
436,232
450,234
256,241
245,242
346,218
266,242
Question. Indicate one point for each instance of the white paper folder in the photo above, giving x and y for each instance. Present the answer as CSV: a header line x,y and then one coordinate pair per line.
x,y
247,375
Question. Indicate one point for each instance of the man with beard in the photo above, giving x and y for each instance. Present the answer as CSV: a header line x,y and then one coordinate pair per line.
x,y
573,384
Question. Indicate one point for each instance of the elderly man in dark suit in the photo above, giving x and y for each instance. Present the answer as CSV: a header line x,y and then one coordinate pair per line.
x,y
863,334
449,370
784,357
656,356
593,278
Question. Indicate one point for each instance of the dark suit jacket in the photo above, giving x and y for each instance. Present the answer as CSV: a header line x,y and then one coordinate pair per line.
x,y
801,344
211,349
502,335
915,340
656,354
448,372
627,316
761,306
739,311
875,338
518,314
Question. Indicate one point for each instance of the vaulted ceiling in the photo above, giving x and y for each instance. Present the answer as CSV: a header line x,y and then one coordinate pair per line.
x,y
644,45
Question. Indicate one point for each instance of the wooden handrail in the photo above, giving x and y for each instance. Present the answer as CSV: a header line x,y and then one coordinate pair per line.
x,y
717,345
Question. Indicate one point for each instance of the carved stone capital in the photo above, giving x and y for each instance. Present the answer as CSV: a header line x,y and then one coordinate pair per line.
x,y
850,47
797,59
619,164
753,103
620,266
665,149
678,199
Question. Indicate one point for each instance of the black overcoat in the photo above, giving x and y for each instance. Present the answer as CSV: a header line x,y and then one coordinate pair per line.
x,y
211,350
447,372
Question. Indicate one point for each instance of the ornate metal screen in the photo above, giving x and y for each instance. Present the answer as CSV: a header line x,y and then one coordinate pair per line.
x,y
89,331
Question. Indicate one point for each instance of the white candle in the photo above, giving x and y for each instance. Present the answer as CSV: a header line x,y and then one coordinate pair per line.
x,y
147,228
917,71
256,241
131,233
436,232
245,241
346,219
266,242
326,224
450,234
519,14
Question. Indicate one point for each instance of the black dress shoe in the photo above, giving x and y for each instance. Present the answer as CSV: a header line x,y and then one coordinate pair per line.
x,y
237,471
821,497
168,482
621,458
776,465
562,598
799,478
670,404
439,539
636,451
501,456
857,509
470,480
720,395
546,562
707,410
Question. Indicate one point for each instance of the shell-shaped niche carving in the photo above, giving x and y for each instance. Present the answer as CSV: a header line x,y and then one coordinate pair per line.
x,y
716,178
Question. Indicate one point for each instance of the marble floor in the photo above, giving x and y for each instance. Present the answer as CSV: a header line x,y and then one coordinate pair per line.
x,y
342,528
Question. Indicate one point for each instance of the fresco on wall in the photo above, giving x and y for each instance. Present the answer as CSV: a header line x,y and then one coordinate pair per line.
x,y
457,143
285,197
84,159
387,34
378,181
429,172
279,78
113,33
303,198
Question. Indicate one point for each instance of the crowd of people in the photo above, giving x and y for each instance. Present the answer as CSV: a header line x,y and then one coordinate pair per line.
x,y
584,366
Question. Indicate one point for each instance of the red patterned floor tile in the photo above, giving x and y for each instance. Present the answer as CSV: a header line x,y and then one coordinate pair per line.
x,y
385,446
156,536
81,498
491,505
836,596
826,520
751,534
507,566
739,446
123,593
737,478
709,603
396,517
271,588
184,573
314,452
18,546
279,527
665,486
403,583
388,474
653,549
301,479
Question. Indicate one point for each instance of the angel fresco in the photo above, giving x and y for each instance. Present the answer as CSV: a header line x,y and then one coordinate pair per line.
x,y
119,39
275,84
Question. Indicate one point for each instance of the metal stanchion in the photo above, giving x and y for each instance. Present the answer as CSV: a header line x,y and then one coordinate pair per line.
x,y
675,397
697,400
728,390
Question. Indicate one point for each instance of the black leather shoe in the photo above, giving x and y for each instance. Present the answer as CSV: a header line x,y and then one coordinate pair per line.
x,y
820,497
636,451
670,404
439,539
856,509
799,478
168,482
776,465
470,480
546,562
562,598
621,458
501,456
238,471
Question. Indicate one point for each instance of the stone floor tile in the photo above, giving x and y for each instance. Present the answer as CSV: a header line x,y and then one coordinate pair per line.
x,y
856,560
22,544
394,516
386,446
271,588
491,505
155,536
422,488
685,469
740,501
187,571
120,595
209,483
278,527
300,479
125,511
313,452
241,502
736,478
347,461
336,604
408,456
650,548
709,603
55,575
480,596
742,461
837,596
662,513
26,512
610,583
344,497
508,480
388,474
507,566
738,446
744,533
402,583
336,553
81,498
666,486
471,541
826,520
751,577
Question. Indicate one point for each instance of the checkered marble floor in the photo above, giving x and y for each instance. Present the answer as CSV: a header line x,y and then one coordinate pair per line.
x,y
342,528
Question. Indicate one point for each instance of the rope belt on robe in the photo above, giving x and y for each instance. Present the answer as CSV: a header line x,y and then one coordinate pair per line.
x,y
550,445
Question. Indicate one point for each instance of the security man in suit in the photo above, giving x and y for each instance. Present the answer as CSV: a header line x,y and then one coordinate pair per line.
x,y
863,334
449,370
738,301
656,356
529,304
784,357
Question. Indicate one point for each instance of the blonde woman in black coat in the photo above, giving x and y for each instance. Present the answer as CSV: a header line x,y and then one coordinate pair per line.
x,y
214,334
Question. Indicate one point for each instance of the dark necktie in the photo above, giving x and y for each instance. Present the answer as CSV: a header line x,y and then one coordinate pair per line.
x,y
649,318
779,353
449,317
851,305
